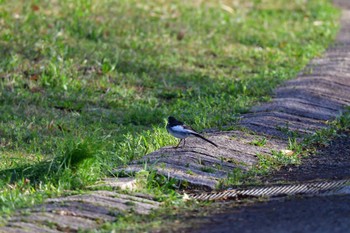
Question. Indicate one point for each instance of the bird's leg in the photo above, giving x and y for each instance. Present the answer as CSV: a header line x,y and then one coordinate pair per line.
x,y
184,142
178,144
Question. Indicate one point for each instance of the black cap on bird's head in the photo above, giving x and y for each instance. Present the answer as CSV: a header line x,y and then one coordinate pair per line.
x,y
171,118
173,121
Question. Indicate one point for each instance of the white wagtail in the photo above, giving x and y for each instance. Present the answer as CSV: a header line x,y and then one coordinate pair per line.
x,y
179,130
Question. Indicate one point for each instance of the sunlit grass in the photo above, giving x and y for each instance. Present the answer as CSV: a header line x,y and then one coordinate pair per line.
x,y
85,86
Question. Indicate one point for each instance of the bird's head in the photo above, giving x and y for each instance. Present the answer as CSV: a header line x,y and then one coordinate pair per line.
x,y
171,120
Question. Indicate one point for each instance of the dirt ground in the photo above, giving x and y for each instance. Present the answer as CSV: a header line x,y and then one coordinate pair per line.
x,y
330,163
322,214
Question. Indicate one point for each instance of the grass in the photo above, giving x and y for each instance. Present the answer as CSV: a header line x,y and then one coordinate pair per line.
x,y
86,86
259,142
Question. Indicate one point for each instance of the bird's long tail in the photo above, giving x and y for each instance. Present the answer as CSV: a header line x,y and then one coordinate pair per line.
x,y
200,136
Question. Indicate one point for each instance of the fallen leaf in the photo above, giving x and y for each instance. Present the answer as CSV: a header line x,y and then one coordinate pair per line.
x,y
35,8
181,34
34,77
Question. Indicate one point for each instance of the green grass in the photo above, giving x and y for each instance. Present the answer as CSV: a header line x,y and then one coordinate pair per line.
x,y
85,86
259,142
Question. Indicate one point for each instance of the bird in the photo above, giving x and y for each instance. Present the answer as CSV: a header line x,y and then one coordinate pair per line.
x,y
179,130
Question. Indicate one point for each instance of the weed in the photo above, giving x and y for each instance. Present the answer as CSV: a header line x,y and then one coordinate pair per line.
x,y
207,169
235,177
285,129
303,147
295,146
342,123
189,172
259,142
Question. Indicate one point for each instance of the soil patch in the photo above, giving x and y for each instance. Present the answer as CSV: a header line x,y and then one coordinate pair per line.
x,y
329,163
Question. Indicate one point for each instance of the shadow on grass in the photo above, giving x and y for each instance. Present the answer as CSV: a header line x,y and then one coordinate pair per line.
x,y
53,169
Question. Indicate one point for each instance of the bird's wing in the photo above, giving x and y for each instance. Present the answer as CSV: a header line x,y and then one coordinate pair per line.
x,y
183,129
189,128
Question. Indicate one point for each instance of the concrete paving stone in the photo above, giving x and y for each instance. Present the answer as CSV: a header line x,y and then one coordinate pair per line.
x,y
317,72
248,138
60,222
218,168
335,91
337,83
268,131
340,69
298,109
305,94
28,227
84,210
105,201
327,106
193,161
200,170
339,51
200,156
273,120
195,180
286,117
134,197
186,156
308,80
13,229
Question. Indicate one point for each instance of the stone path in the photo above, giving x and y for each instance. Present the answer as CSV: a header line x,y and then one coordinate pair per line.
x,y
203,165
302,105
77,212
